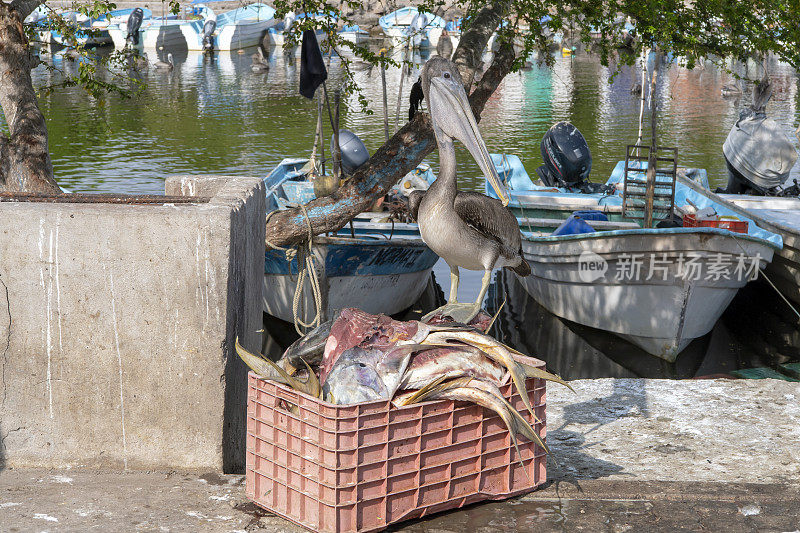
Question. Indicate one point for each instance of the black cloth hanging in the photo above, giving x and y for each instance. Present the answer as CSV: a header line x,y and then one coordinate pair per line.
x,y
312,68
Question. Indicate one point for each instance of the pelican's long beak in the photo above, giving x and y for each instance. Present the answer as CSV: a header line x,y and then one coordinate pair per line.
x,y
448,101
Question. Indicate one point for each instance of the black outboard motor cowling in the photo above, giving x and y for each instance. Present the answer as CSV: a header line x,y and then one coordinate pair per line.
x,y
208,34
567,159
133,25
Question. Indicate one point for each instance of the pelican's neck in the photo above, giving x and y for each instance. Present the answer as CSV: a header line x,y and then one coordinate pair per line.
x,y
444,188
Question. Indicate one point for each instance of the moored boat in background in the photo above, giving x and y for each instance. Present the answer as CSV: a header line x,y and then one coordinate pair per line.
x,y
354,34
407,26
239,28
606,277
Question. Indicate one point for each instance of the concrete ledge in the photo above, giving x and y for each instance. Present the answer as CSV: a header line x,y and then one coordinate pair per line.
x,y
737,431
119,321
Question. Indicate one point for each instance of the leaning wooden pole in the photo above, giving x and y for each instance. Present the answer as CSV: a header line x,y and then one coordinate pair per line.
x,y
385,97
403,71
645,54
337,151
652,161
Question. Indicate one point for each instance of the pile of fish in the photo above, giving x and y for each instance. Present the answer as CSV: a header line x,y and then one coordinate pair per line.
x,y
358,357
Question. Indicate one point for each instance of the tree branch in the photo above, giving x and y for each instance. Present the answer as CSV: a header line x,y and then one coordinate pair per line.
x,y
25,7
400,155
467,57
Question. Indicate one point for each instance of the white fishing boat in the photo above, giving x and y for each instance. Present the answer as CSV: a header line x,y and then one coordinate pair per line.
x,y
354,34
407,26
239,28
278,33
637,283
659,288
88,31
376,265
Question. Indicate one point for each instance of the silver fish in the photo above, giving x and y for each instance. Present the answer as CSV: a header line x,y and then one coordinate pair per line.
x,y
492,348
449,363
310,347
366,374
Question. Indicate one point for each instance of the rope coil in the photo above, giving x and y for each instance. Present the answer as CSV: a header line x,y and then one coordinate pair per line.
x,y
306,269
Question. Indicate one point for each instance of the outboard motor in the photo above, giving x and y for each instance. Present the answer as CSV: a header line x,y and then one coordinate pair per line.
x,y
567,159
758,153
133,25
354,153
208,34
288,22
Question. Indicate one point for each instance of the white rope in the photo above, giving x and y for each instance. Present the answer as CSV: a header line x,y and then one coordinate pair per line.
x,y
761,273
304,253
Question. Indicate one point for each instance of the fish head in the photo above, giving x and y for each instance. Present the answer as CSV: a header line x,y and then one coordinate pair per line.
x,y
355,379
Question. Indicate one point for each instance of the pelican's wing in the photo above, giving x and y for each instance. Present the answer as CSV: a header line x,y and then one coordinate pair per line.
x,y
414,199
488,217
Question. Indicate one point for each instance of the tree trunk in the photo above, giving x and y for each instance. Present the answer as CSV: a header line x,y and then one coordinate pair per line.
x,y
24,158
403,152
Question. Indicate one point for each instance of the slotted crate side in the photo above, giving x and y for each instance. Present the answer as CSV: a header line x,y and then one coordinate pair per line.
x,y
426,458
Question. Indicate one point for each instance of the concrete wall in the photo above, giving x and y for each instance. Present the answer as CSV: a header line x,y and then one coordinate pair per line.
x,y
117,325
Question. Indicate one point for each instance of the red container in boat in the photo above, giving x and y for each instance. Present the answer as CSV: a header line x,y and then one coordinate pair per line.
x,y
361,467
732,224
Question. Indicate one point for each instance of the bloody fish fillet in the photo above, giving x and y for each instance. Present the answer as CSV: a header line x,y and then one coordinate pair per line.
x,y
357,328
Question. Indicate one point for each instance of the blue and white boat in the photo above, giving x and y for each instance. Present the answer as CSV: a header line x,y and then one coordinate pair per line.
x,y
117,26
239,28
88,31
381,267
659,288
277,34
354,34
408,27
169,32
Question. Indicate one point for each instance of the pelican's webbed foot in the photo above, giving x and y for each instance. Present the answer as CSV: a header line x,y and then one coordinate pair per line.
x,y
459,312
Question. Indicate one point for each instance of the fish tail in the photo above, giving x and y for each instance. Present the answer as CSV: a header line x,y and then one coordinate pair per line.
x,y
533,372
269,370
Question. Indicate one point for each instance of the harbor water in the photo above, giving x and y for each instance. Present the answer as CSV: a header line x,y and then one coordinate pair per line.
x,y
213,115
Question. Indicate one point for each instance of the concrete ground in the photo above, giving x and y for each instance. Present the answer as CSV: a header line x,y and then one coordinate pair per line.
x,y
633,455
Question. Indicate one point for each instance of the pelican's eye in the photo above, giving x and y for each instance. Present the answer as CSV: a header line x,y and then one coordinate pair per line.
x,y
446,75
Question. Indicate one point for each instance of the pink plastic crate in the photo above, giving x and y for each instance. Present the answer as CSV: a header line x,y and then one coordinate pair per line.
x,y
361,467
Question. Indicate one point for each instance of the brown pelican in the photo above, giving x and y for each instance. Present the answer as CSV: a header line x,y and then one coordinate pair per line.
x,y
444,47
260,61
168,64
466,229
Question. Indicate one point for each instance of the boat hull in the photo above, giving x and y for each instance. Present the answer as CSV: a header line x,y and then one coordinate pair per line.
x,y
355,37
118,36
778,215
277,38
168,35
662,314
375,275
242,34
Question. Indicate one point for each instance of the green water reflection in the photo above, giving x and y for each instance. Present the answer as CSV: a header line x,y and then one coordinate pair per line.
x,y
214,115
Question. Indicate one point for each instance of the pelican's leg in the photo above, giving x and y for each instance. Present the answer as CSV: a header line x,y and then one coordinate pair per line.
x,y
453,285
463,312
